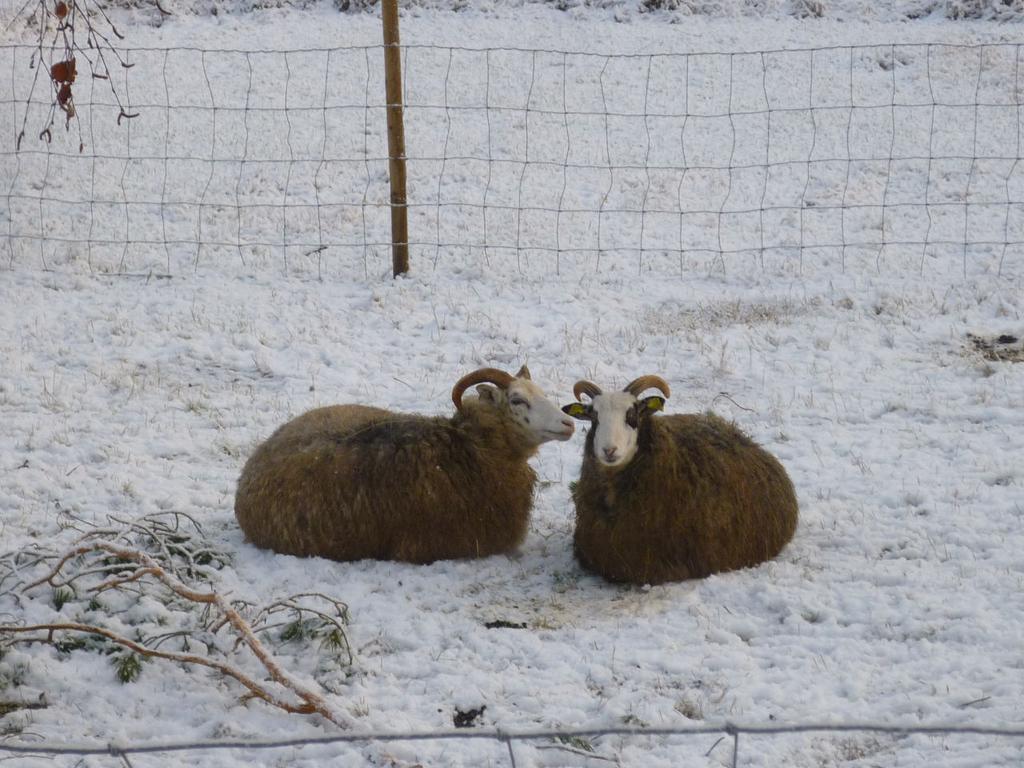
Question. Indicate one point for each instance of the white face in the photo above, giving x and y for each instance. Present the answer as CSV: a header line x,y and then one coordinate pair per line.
x,y
615,421
530,407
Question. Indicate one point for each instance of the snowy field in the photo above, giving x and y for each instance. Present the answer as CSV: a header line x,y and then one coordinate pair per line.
x,y
901,597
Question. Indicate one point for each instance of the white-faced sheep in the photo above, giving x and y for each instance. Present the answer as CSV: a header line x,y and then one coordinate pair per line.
x,y
349,482
667,498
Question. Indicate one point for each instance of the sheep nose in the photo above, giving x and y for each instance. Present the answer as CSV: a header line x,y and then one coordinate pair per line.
x,y
567,423
609,453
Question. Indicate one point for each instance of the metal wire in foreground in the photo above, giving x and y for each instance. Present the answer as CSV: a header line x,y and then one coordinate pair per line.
x,y
508,736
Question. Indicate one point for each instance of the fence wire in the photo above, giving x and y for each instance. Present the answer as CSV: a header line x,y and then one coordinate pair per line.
x,y
882,157
510,736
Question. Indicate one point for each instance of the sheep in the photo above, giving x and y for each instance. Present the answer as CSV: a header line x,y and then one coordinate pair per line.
x,y
349,482
668,498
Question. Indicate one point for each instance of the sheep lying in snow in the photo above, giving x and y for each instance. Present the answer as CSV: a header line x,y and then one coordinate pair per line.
x,y
666,498
349,481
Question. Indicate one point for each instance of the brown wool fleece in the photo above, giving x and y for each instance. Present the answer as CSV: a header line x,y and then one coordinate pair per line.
x,y
698,498
348,482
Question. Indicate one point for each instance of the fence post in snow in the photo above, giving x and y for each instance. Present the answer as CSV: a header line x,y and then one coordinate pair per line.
x,y
396,139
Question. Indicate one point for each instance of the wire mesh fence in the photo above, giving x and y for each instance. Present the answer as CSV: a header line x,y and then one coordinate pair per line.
x,y
894,157
728,733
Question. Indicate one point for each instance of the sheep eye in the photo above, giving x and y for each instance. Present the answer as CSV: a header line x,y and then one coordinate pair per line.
x,y
631,418
519,401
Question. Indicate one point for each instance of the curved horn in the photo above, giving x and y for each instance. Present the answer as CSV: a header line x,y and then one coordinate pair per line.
x,y
638,385
491,375
587,388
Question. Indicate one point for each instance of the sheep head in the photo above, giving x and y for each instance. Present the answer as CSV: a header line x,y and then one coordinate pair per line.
x,y
616,417
521,398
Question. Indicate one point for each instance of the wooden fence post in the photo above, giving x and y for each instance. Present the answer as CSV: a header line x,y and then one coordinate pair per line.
x,y
396,139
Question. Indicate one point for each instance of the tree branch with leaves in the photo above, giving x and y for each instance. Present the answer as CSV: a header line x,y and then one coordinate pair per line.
x,y
165,556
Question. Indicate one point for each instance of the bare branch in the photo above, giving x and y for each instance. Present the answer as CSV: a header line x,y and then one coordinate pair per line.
x,y
71,21
185,658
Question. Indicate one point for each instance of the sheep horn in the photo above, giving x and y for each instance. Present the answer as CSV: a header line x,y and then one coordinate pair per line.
x,y
587,388
638,385
492,375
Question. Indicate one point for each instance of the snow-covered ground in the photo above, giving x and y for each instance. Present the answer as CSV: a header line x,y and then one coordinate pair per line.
x,y
901,597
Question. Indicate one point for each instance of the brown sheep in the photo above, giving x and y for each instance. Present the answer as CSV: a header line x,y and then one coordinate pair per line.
x,y
667,498
349,482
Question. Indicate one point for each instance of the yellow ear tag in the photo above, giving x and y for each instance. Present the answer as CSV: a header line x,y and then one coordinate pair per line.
x,y
577,410
655,403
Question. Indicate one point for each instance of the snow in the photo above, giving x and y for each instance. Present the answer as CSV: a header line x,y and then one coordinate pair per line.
x,y
899,599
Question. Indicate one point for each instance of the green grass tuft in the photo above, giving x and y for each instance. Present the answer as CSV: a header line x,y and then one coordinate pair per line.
x,y
128,667
62,596
577,742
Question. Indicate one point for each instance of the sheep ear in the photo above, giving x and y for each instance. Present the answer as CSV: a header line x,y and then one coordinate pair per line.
x,y
652,403
577,410
524,373
487,392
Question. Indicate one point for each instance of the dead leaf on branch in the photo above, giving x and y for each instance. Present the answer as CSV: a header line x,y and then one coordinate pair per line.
x,y
64,72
